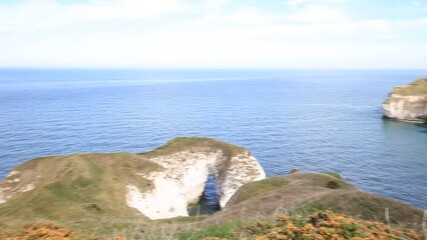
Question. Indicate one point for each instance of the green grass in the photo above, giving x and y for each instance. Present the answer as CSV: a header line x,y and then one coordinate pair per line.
x,y
80,186
96,171
174,220
419,86
224,230
91,187
305,209
335,175
365,206
189,143
333,184
258,188
86,192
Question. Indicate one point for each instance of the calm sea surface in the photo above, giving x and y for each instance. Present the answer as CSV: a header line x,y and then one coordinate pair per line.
x,y
310,120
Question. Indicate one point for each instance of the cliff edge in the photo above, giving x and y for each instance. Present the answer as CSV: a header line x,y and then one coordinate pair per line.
x,y
407,102
157,184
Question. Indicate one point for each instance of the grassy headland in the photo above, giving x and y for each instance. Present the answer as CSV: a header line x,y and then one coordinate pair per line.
x,y
85,192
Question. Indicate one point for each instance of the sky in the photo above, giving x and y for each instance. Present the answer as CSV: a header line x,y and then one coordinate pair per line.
x,y
289,34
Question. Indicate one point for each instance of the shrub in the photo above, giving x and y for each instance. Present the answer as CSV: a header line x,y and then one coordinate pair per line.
x,y
46,231
325,225
335,175
333,184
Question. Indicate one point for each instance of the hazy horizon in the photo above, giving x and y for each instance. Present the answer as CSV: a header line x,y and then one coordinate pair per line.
x,y
207,68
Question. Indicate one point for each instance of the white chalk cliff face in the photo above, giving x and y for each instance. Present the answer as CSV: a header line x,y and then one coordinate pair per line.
x,y
184,179
13,185
159,184
407,102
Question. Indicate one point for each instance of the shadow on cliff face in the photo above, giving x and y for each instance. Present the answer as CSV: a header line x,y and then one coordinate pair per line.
x,y
423,125
209,202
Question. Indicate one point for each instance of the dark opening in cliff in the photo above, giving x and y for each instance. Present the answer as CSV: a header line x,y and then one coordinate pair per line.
x,y
208,203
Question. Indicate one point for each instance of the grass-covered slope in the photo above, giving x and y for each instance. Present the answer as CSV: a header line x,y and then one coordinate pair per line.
x,y
257,189
303,193
194,144
416,87
75,187
87,187
86,192
297,196
320,225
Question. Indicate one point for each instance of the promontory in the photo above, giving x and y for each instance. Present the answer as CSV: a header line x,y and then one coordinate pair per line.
x,y
407,102
147,195
157,184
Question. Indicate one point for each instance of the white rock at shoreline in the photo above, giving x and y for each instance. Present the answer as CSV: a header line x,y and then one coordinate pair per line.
x,y
407,102
184,179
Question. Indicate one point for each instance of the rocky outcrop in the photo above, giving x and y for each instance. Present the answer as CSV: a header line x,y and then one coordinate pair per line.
x,y
185,173
13,185
159,184
407,102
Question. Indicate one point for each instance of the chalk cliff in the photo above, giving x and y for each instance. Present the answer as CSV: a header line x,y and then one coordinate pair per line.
x,y
159,184
407,102
187,163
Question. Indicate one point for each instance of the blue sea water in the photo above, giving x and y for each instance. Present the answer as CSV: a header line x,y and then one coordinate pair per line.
x,y
313,120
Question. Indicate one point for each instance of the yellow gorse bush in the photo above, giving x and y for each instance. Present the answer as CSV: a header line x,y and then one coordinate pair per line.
x,y
44,231
325,225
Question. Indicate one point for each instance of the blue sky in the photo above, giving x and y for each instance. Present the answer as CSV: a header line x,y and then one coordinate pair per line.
x,y
214,33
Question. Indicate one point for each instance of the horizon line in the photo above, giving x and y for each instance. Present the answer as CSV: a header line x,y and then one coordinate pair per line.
x,y
199,68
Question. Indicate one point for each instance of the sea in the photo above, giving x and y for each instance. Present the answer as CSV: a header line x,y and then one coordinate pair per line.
x,y
312,120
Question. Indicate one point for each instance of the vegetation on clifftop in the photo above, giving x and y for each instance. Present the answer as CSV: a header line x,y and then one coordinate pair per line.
x,y
85,192
320,225
418,86
97,209
191,143
75,188
304,193
257,188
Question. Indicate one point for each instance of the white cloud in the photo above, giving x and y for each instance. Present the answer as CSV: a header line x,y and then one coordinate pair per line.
x,y
317,14
413,23
251,16
214,4
123,9
42,14
319,33
221,48
242,16
296,3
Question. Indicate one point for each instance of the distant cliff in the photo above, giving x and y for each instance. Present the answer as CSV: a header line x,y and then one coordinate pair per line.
x,y
407,102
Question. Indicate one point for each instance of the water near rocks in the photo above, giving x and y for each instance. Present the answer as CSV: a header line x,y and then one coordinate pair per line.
x,y
305,119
